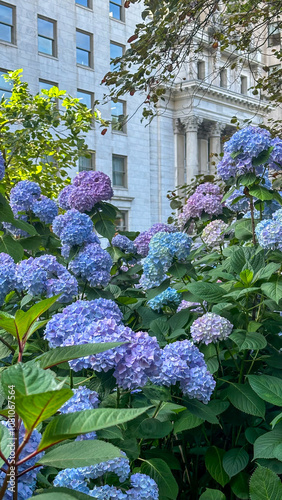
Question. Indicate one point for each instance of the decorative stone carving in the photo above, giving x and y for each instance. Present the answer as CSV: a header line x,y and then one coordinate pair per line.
x,y
216,129
192,123
178,127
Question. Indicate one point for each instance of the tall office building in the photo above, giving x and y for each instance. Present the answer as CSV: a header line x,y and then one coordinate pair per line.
x,y
70,43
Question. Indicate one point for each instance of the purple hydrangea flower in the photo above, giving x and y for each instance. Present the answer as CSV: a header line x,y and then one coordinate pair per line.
x,y
207,198
213,233
7,275
210,328
45,276
73,228
2,167
187,305
124,243
183,362
74,319
45,209
63,198
143,239
170,297
83,399
23,196
92,264
275,160
143,487
16,232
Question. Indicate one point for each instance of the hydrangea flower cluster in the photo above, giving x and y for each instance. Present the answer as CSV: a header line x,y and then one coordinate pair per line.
x,y
164,248
241,205
7,275
212,234
15,231
45,276
269,232
183,362
87,189
143,239
45,209
74,319
169,297
133,362
207,198
73,228
124,243
185,304
2,167
83,399
143,487
210,328
275,159
23,196
26,482
92,264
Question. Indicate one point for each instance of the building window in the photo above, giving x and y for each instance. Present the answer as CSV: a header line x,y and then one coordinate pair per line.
x,y
46,36
116,50
201,70
87,163
116,9
7,23
223,78
45,85
84,48
85,98
84,3
5,87
119,171
273,34
118,116
121,221
244,85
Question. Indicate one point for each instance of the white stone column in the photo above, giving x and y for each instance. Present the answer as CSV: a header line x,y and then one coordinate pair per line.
x,y
191,125
215,145
179,152
203,140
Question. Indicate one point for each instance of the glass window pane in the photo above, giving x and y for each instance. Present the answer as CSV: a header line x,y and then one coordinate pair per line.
x,y
82,41
118,171
3,84
115,51
82,57
117,108
86,163
46,85
85,3
45,45
115,11
86,98
6,15
45,28
5,33
7,95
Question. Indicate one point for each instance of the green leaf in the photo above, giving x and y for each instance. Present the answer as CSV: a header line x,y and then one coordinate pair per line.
x,y
212,495
105,228
71,425
240,485
200,410
5,442
62,494
63,354
211,292
243,230
29,379
152,428
273,289
12,247
186,421
25,320
213,460
261,193
262,158
265,485
247,179
35,408
158,470
80,454
6,215
245,399
246,276
254,341
268,388
234,461
264,445
266,272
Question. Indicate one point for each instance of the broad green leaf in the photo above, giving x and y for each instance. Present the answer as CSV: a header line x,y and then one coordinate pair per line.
x,y
213,460
240,485
80,454
254,341
261,193
62,494
25,320
12,247
265,485
245,399
179,320
6,215
276,420
210,292
185,421
4,349
268,388
246,276
71,425
35,408
152,428
262,158
5,442
29,379
158,470
63,354
106,228
243,230
234,461
247,179
212,495
200,410
264,445
266,272
273,289
7,323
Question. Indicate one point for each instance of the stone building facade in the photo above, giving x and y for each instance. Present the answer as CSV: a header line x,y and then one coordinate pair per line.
x,y
70,43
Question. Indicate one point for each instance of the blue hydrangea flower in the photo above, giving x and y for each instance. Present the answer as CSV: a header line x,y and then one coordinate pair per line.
x,y
269,234
63,198
83,399
241,205
124,243
278,215
45,276
183,362
185,304
143,487
74,319
213,233
73,228
23,196
45,209
275,160
143,239
93,238
92,264
2,167
170,297
210,328
7,275
74,479
107,492
27,482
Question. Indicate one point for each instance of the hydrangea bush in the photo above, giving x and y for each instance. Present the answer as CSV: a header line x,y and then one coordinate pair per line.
x,y
147,368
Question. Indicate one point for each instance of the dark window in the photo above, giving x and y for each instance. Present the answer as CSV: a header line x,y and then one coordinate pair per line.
x,y
121,221
118,116
119,171
83,48
7,23
244,85
46,36
223,78
201,70
273,34
85,98
84,3
116,9
115,51
86,163
5,87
